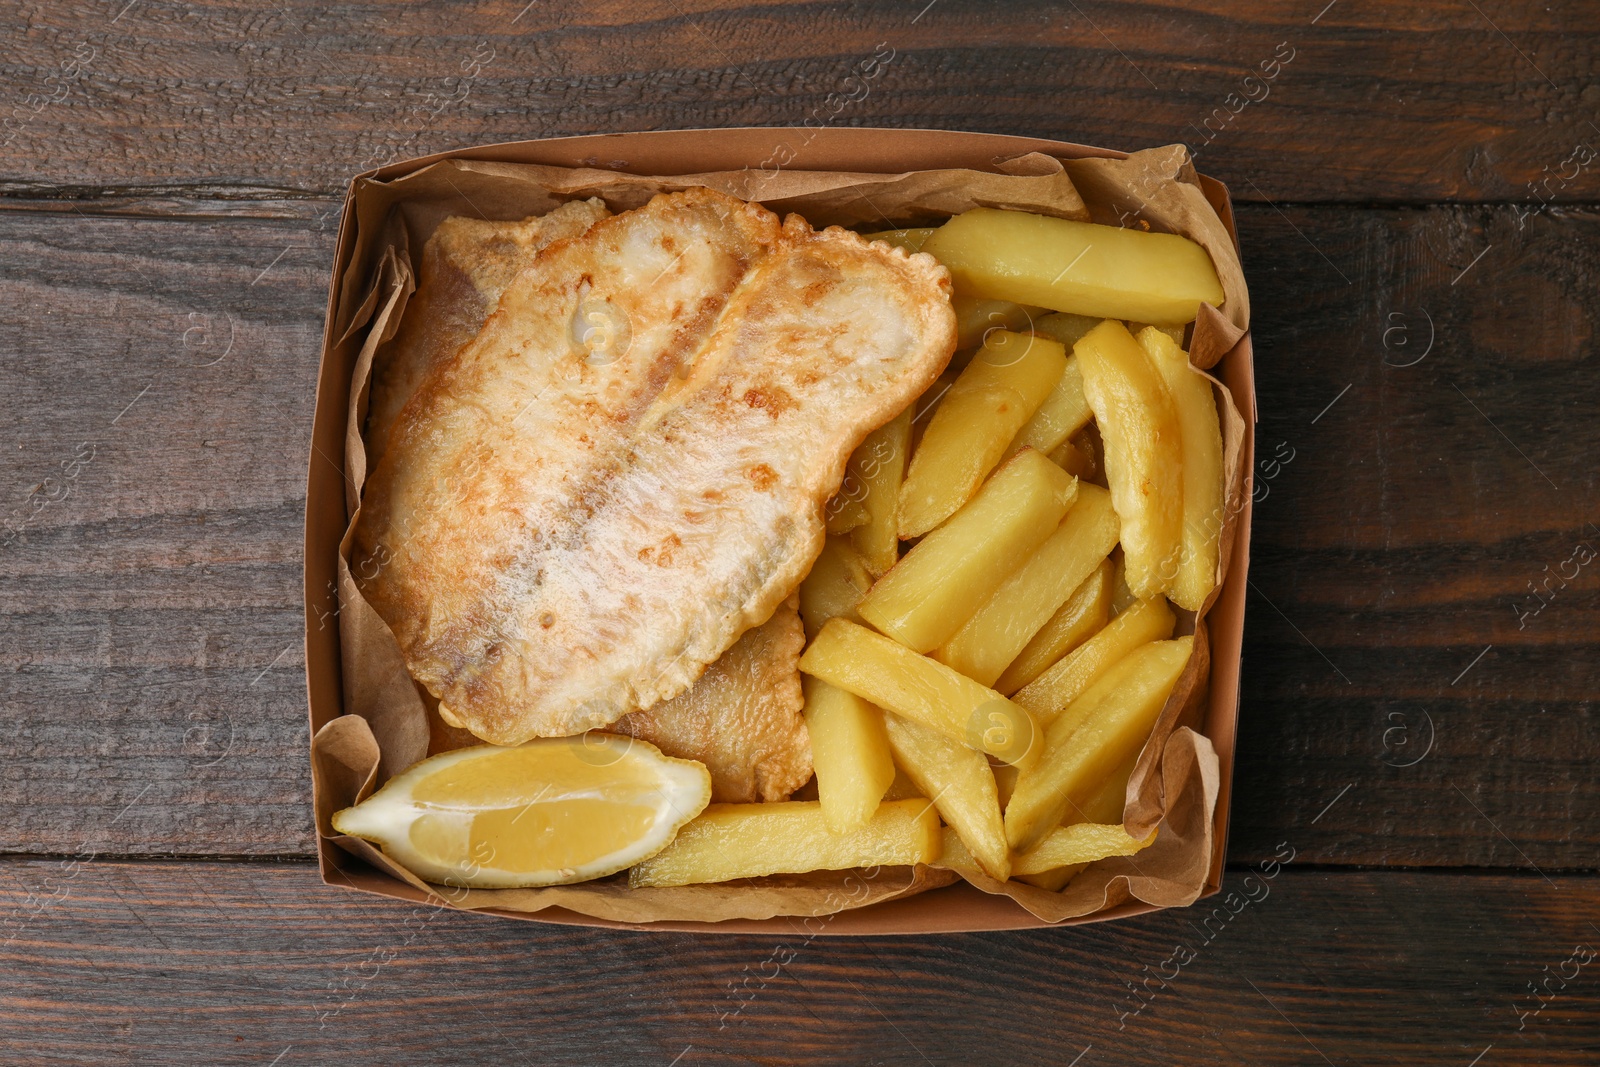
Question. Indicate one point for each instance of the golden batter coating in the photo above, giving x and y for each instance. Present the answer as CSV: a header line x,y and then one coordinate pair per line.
x,y
563,531
742,718
466,265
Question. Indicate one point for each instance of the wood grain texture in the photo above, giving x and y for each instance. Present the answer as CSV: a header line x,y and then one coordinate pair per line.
x,y
1287,101
160,381
1425,451
147,609
1421,656
117,962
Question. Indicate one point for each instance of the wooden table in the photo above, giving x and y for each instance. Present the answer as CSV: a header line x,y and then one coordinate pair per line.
x,y
1416,190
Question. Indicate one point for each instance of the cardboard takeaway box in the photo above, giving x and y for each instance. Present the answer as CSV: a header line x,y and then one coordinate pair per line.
x,y
866,178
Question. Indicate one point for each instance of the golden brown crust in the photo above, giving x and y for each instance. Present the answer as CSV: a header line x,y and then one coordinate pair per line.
x,y
557,541
466,265
742,717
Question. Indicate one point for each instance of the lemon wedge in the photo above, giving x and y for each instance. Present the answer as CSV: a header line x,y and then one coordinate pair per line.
x,y
549,812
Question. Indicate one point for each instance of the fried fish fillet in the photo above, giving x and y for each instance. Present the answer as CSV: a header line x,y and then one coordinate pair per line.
x,y
466,265
559,534
742,718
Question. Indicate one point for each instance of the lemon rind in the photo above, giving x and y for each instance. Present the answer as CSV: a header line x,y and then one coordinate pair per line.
x,y
384,819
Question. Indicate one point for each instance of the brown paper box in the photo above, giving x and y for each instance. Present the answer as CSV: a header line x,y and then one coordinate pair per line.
x,y
917,176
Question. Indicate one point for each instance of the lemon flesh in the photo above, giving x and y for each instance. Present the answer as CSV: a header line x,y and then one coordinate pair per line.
x,y
549,812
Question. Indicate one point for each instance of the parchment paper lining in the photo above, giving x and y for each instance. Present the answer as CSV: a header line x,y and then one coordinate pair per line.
x,y
1175,783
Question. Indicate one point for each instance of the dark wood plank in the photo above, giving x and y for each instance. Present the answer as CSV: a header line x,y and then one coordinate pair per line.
x,y
151,613
1291,101
160,377
1435,414
114,962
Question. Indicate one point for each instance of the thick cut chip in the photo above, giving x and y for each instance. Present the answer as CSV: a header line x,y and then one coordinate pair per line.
x,y
741,718
1082,842
1081,267
1109,799
1085,614
466,265
1064,412
960,784
1065,327
992,399
880,463
834,586
1002,627
1139,423
1076,456
625,469
1105,806
845,510
854,764
915,687
1174,333
1201,435
926,597
928,403
976,318
1050,693
1104,727
731,841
